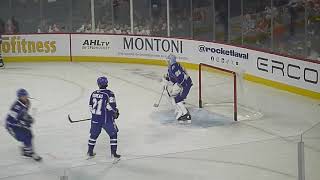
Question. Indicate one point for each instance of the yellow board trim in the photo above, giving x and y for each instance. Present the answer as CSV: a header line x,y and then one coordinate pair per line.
x,y
274,84
281,86
118,60
36,58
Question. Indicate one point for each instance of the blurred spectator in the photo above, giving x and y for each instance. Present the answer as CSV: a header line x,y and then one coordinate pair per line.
x,y
55,28
263,25
248,24
10,29
39,30
2,26
223,16
15,24
50,30
293,16
81,29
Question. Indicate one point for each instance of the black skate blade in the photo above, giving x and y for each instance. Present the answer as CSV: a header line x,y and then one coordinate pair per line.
x,y
91,157
185,122
116,160
38,159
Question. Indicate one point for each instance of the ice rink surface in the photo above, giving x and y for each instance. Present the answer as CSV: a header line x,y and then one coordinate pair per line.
x,y
261,146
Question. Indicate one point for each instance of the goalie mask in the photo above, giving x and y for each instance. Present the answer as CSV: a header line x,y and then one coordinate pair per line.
x,y
171,59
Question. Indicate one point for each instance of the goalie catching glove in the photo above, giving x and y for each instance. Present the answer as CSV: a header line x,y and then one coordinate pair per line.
x,y
165,81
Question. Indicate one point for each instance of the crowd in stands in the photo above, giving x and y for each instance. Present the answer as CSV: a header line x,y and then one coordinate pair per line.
x,y
9,27
158,27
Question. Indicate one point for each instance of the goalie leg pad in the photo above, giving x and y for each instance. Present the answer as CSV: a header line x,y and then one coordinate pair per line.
x,y
182,107
179,112
176,90
176,107
185,113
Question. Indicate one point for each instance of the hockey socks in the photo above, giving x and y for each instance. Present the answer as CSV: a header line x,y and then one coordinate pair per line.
x,y
28,152
114,144
1,62
91,144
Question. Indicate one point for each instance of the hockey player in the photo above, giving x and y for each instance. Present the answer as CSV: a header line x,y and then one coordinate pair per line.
x,y
104,111
178,83
1,60
18,124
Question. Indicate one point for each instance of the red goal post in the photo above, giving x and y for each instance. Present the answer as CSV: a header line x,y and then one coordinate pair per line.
x,y
224,71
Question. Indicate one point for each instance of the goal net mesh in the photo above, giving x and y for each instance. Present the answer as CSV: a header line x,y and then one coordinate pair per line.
x,y
222,91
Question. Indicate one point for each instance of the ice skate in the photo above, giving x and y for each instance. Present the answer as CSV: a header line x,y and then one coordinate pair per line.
x,y
183,115
29,154
90,155
185,118
36,157
116,158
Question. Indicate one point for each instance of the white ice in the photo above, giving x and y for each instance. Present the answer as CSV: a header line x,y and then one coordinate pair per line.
x,y
153,145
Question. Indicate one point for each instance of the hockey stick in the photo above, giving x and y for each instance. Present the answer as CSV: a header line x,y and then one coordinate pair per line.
x,y
157,104
74,121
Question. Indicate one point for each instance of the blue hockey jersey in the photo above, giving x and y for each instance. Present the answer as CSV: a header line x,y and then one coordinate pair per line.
x,y
18,115
177,74
102,106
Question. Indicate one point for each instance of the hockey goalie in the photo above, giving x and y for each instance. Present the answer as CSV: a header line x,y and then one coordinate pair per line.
x,y
177,83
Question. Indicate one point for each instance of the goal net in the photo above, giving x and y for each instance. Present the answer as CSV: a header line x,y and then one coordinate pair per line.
x,y
221,91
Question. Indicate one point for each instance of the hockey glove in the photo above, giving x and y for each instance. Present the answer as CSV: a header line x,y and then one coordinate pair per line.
x,y
164,83
28,119
166,77
116,114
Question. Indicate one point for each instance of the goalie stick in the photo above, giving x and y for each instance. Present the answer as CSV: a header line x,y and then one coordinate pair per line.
x,y
74,121
157,104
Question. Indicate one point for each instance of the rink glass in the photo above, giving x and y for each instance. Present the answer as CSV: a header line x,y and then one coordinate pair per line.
x,y
274,25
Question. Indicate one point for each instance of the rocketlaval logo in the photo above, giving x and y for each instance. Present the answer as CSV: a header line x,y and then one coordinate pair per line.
x,y
222,51
96,44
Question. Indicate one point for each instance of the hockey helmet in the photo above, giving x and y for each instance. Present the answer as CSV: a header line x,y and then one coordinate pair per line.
x,y
22,92
102,82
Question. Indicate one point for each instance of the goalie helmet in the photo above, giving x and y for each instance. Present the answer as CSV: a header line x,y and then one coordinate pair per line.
x,y
22,92
102,82
171,59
